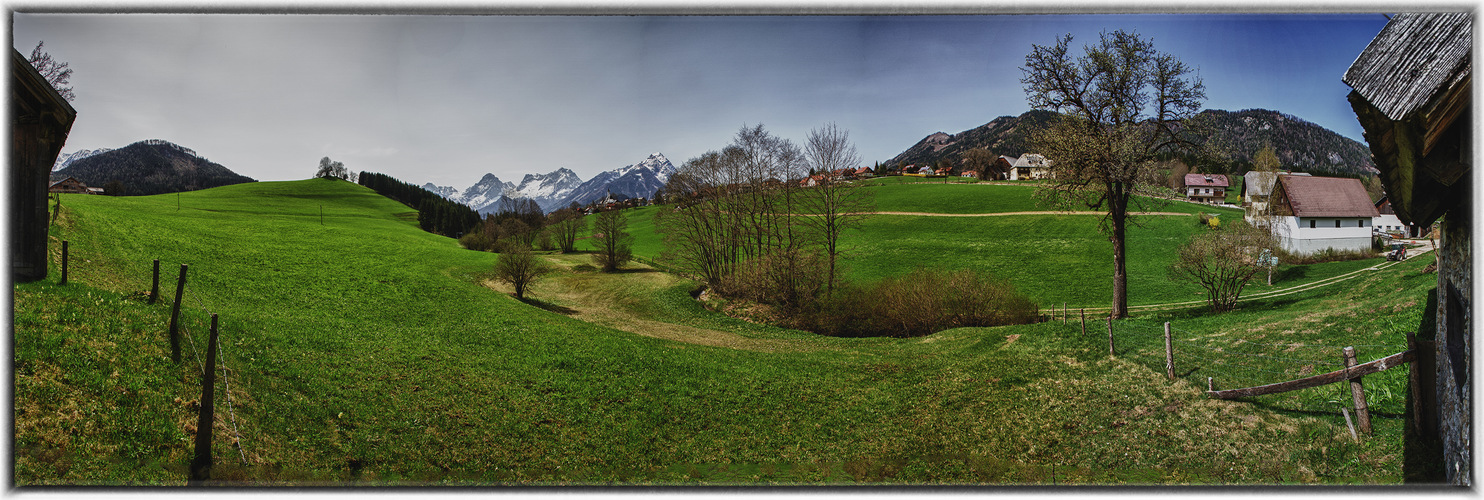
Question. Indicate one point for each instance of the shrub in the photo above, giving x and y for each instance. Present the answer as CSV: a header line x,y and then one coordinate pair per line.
x,y
477,240
789,279
920,303
520,268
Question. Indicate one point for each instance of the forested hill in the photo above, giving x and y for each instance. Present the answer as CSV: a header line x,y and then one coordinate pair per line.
x,y
1301,145
150,167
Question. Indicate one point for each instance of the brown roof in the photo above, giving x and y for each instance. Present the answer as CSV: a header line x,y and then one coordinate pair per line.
x,y
1205,180
1326,196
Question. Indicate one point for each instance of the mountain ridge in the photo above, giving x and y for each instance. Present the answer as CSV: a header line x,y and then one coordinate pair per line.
x,y
151,166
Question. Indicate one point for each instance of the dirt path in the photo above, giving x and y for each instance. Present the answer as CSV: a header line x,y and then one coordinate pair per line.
x,y
606,300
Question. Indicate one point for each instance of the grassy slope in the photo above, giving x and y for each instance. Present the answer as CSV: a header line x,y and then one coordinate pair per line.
x,y
366,349
1053,259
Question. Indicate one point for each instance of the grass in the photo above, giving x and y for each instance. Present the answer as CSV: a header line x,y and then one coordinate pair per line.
x,y
364,351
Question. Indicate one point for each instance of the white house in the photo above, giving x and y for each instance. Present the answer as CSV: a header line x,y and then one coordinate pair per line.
x,y
1206,188
1030,166
1315,213
1388,222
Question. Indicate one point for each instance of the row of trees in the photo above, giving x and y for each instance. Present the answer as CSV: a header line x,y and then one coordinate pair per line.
x,y
434,213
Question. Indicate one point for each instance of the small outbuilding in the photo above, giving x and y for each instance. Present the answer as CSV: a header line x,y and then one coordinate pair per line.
x,y
40,120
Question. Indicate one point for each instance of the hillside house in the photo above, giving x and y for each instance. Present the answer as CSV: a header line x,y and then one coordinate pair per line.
x,y
40,120
1030,166
1206,188
970,174
1316,213
864,173
1388,222
72,185
1413,97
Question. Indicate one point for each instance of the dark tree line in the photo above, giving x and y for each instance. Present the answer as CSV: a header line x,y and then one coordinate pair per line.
x,y
435,214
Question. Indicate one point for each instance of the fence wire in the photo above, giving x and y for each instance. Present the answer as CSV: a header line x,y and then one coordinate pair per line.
x,y
89,268
1229,362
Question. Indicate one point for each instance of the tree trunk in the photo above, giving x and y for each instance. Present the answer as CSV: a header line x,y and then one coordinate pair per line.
x,y
1118,212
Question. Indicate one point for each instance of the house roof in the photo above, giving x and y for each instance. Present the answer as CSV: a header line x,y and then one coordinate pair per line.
x,y
1413,57
1310,196
1205,180
1032,160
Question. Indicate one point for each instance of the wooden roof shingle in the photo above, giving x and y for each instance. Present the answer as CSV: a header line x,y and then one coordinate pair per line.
x,y
1414,56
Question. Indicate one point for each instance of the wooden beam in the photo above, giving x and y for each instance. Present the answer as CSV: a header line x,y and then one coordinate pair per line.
x,y
1357,371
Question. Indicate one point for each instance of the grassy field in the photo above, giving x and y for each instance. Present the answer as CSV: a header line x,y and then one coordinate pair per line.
x,y
1053,259
364,351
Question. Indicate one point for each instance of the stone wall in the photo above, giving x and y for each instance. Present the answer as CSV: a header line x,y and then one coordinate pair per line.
x,y
1454,341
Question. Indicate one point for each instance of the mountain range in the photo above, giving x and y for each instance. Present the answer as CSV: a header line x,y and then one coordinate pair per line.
x,y
562,187
1301,145
146,167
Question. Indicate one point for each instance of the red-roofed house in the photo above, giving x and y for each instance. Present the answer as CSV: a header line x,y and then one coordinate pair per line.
x,y
1206,188
1315,213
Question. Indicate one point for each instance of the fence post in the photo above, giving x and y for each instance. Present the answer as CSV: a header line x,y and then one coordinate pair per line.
x,y
1064,313
1084,322
201,466
1169,354
1110,334
154,287
64,263
1357,392
175,317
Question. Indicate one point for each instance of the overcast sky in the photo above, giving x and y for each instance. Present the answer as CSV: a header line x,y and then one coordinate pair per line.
x,y
446,99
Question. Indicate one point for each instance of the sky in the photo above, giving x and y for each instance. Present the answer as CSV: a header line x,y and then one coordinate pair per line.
x,y
446,99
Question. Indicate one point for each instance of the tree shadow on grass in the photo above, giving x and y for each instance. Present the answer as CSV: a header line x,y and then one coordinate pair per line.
x,y
548,306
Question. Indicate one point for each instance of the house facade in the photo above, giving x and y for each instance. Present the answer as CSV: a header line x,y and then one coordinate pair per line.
x,y
1311,214
1256,187
1206,188
1030,166
70,185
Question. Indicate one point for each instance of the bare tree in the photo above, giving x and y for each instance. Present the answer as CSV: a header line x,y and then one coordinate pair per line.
x,y
610,235
332,169
1223,261
520,268
55,72
1123,105
567,223
833,205
981,161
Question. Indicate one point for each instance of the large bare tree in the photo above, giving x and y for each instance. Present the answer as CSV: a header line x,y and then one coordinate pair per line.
x,y
1122,105
833,205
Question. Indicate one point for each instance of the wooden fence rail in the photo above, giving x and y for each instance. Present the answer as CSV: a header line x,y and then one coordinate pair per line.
x,y
1340,375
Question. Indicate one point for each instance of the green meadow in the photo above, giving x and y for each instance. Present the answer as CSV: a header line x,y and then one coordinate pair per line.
x,y
360,350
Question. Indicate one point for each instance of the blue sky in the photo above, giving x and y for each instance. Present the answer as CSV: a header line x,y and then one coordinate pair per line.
x,y
446,99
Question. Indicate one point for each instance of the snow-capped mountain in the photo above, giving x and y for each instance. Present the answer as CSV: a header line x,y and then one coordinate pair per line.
x,y
639,180
65,160
484,194
547,189
447,192
562,187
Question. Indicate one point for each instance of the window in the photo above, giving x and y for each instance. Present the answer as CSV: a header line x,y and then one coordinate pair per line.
x,y
1311,223
1337,223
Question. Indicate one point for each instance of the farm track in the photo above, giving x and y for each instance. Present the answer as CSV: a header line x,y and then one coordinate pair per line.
x,y
998,214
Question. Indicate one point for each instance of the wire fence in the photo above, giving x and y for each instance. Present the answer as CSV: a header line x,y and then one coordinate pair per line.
x,y
93,269
1224,361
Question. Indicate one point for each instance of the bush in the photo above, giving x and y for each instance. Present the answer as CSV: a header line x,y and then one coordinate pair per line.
x,y
477,240
919,303
788,279
1322,256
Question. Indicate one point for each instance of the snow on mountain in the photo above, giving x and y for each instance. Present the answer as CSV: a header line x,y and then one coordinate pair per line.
x,y
66,159
562,187
447,192
639,180
484,194
547,190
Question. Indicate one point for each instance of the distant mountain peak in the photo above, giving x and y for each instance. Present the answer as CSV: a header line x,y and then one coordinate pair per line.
x,y
561,187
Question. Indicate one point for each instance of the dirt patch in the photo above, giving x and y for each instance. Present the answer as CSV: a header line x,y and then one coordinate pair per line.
x,y
605,300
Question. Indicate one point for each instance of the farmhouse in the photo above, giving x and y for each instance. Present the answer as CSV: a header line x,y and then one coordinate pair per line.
x,y
72,185
1029,166
1256,186
1387,221
1206,188
1412,95
40,120
1316,213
